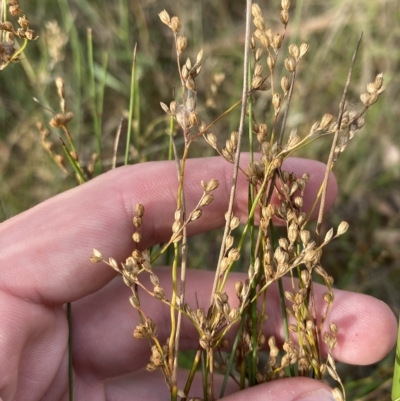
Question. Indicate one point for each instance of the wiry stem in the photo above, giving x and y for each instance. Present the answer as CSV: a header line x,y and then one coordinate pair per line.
x,y
238,149
335,139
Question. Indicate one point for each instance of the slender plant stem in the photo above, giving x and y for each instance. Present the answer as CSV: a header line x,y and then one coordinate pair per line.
x,y
116,142
131,106
74,163
396,373
335,139
237,155
92,86
193,370
232,356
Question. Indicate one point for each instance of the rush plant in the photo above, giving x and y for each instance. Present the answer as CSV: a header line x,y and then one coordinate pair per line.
x,y
250,358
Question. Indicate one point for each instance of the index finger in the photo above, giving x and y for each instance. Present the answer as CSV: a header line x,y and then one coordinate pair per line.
x,y
45,250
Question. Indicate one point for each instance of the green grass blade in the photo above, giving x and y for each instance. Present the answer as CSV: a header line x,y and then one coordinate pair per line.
x,y
92,88
131,106
396,374
74,164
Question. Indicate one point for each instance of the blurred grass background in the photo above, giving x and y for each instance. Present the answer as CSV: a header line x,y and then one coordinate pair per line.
x,y
365,260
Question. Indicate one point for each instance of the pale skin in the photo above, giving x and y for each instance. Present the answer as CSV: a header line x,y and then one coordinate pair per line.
x,y
44,263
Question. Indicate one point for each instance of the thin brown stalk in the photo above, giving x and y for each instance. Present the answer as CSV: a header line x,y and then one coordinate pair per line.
x,y
280,140
116,142
237,154
335,139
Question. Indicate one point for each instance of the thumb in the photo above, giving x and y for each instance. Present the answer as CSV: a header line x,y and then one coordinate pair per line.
x,y
290,389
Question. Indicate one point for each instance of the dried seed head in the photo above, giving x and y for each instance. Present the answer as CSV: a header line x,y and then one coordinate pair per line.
x,y
294,51
304,47
57,121
7,26
113,263
328,235
293,232
176,226
284,15
181,43
97,256
137,237
224,264
173,107
378,81
199,56
271,62
137,221
371,87
204,343
212,139
233,255
165,108
337,394
285,4
264,41
283,243
305,277
327,297
252,43
277,41
325,121
151,367
234,222
343,227
289,296
196,214
290,64
365,98
256,11
373,98
233,314
259,23
178,215
256,82
305,236
207,199
30,34
258,69
229,242
134,301
258,54
276,100
238,288
175,24
139,208
190,84
23,22
164,17
140,331
314,128
285,84
14,9
360,122
212,185
159,292
193,118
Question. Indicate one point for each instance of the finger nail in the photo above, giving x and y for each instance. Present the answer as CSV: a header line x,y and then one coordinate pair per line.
x,y
316,395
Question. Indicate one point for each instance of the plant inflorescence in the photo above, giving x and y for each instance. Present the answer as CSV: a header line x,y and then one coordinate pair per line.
x,y
9,53
309,336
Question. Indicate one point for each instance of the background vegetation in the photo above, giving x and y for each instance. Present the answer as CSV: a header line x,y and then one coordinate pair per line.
x,y
366,259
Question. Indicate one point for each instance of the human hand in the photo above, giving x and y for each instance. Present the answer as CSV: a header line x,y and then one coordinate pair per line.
x,y
44,264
